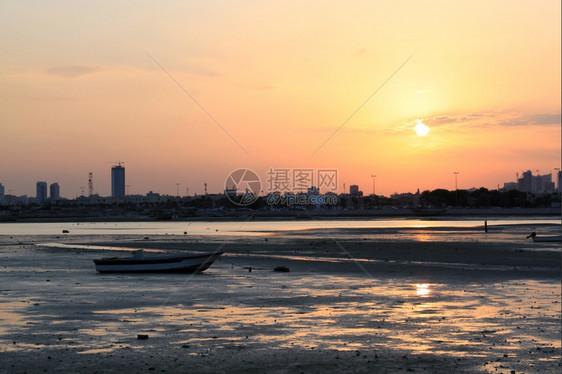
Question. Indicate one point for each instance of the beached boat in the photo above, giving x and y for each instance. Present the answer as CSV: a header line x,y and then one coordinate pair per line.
x,y
139,263
545,239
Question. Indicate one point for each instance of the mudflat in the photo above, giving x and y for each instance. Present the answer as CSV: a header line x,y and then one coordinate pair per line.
x,y
354,300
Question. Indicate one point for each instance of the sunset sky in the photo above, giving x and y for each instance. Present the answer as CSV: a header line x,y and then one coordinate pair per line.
x,y
81,88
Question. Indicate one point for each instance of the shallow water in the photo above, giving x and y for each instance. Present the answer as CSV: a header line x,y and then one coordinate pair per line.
x,y
58,304
253,227
515,324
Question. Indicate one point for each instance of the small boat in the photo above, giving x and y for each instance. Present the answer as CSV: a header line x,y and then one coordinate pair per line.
x,y
139,263
545,239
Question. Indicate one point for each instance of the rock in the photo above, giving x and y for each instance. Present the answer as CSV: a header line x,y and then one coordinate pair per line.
x,y
142,336
281,269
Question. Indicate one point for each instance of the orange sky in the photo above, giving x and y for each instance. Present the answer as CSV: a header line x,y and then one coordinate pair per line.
x,y
79,91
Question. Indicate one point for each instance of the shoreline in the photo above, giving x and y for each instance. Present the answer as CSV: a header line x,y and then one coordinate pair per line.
x,y
375,214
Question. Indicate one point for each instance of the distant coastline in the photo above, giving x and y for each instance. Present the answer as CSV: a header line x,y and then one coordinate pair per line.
x,y
312,214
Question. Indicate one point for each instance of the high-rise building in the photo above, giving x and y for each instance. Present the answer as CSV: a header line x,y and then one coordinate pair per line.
x,y
544,184
536,184
1,194
525,183
41,194
54,191
118,182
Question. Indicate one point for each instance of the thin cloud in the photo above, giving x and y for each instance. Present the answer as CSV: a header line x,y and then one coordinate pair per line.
x,y
203,72
460,119
484,120
72,71
541,119
489,119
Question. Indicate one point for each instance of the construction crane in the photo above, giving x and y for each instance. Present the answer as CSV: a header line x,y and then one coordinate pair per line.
x,y
115,163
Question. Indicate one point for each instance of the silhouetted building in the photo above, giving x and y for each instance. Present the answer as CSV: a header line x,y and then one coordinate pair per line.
x,y
41,192
507,186
118,182
543,184
559,180
313,190
231,192
536,184
525,183
54,191
1,193
354,191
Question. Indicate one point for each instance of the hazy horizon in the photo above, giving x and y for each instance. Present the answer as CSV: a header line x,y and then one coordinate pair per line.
x,y
288,85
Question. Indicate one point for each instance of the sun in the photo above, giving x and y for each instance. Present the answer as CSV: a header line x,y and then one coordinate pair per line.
x,y
421,129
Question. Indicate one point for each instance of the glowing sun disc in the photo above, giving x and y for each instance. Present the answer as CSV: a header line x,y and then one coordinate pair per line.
x,y
421,129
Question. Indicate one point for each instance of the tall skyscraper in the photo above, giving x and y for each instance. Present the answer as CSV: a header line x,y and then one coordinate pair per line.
x,y
54,191
1,193
525,183
41,194
118,182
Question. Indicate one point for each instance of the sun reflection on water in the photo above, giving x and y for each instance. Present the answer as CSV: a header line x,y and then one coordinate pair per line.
x,y
309,311
422,289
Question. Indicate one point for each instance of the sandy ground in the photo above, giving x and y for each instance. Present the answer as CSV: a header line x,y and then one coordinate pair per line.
x,y
354,301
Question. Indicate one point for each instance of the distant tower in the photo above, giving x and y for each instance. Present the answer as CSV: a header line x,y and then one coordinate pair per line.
x,y
1,194
91,183
559,181
118,182
205,189
54,192
41,189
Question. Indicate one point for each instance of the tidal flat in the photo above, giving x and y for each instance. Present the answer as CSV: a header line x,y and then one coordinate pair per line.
x,y
355,300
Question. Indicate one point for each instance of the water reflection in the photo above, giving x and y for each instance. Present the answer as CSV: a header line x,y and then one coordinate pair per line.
x,y
423,237
422,289
251,228
320,311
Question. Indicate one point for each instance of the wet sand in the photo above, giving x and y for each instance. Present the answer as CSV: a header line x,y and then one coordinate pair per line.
x,y
427,300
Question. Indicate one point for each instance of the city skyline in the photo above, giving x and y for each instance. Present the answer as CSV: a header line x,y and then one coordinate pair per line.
x,y
526,182
187,93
